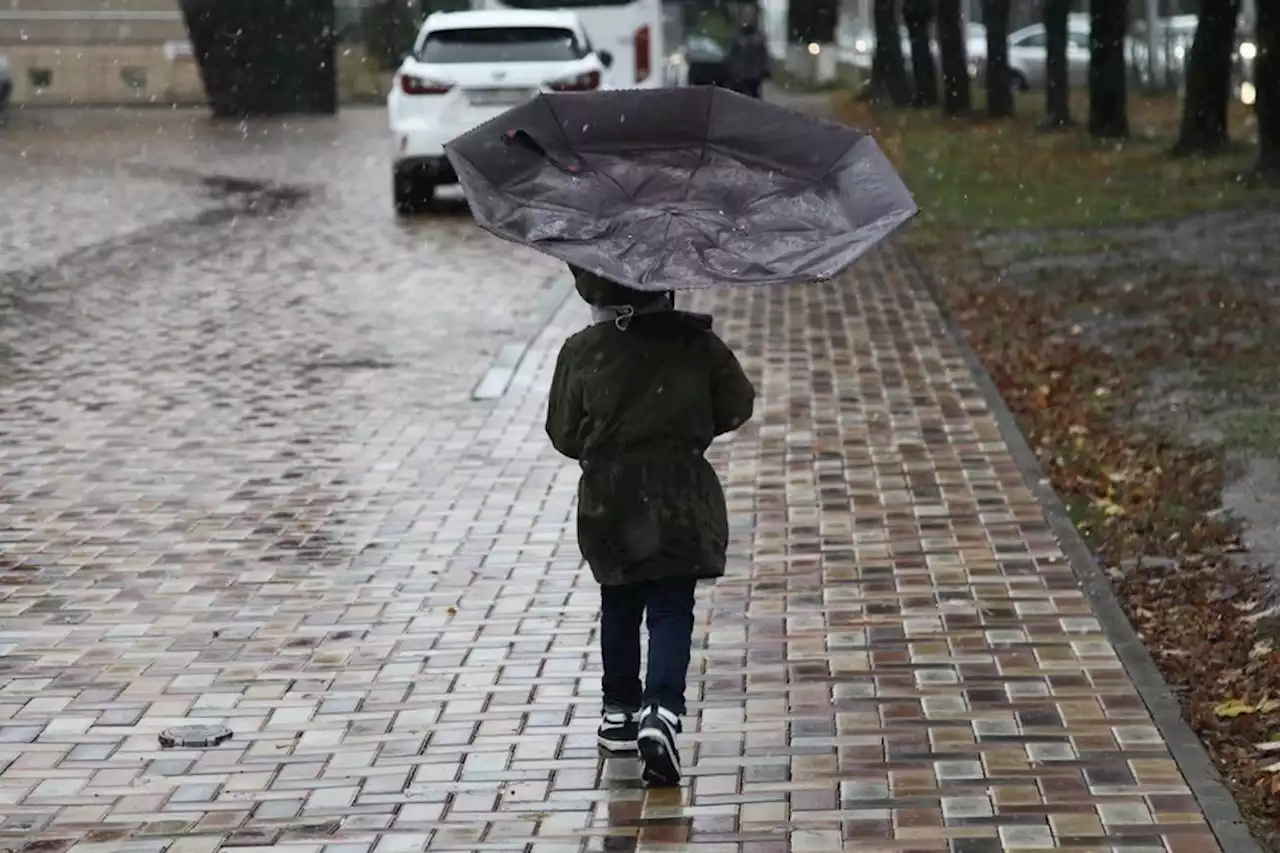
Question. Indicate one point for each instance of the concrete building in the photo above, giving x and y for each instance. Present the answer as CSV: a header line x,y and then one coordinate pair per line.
x,y
99,52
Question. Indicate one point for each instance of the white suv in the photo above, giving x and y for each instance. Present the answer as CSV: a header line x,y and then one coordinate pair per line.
x,y
468,67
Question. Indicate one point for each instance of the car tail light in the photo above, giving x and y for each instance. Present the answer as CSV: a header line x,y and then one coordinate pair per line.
x,y
582,83
644,54
411,85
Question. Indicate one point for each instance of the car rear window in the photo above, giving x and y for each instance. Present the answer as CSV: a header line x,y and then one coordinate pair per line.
x,y
501,44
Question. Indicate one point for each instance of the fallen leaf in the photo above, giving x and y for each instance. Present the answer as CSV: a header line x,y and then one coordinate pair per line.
x,y
1109,507
1233,708
1236,708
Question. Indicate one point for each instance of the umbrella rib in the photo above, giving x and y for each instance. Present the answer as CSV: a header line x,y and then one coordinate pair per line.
x,y
654,215
637,221
702,154
813,182
665,231
628,196
640,186
693,223
565,137
549,206
697,224
566,241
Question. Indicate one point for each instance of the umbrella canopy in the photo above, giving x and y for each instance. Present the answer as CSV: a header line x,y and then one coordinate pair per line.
x,y
674,189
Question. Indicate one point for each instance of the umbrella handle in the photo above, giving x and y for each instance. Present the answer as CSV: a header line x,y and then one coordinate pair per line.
x,y
525,140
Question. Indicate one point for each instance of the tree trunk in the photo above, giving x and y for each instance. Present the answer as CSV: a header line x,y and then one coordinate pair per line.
x,y
248,69
1108,113
810,21
918,16
1204,111
1266,79
956,97
390,28
995,14
888,73
1057,82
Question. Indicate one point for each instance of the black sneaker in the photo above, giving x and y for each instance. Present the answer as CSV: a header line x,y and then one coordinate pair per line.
x,y
657,742
617,732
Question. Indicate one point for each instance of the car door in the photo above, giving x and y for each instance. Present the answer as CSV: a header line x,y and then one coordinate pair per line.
x,y
1078,54
1027,55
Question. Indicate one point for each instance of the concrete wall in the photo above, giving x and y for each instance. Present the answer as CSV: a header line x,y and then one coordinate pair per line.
x,y
122,74
112,52
98,52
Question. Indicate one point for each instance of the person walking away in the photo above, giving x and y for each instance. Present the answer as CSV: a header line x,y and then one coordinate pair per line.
x,y
637,398
748,62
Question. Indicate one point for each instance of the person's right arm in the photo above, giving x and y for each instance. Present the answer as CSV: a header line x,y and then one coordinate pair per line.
x,y
733,397
564,408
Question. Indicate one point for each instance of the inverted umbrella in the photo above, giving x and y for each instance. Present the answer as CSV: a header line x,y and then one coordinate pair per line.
x,y
671,189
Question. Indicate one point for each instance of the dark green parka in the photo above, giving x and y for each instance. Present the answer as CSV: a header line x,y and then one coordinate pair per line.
x,y
637,403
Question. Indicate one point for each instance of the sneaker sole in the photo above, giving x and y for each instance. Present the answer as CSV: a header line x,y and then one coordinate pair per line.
x,y
612,745
660,768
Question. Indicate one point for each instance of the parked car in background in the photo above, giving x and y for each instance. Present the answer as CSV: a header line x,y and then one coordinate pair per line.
x,y
6,83
469,67
858,48
699,61
633,31
1029,55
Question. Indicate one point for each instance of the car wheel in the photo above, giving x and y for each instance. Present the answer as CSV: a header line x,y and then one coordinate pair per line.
x,y
411,193
1020,83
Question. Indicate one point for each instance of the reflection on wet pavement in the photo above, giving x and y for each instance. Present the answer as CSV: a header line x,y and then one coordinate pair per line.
x,y
243,483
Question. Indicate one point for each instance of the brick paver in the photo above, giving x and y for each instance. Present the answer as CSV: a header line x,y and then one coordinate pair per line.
x,y
372,580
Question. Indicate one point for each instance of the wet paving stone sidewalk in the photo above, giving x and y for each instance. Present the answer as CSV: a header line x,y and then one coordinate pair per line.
x,y
899,660
249,488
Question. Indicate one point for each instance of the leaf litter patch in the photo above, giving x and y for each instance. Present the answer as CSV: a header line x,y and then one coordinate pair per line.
x,y
1143,364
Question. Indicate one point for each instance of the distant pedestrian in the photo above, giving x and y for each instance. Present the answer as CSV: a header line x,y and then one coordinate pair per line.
x,y
637,398
749,62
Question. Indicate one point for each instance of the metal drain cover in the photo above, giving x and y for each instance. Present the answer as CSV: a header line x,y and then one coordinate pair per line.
x,y
194,736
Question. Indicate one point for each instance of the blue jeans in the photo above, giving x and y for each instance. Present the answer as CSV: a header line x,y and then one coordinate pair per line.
x,y
669,605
